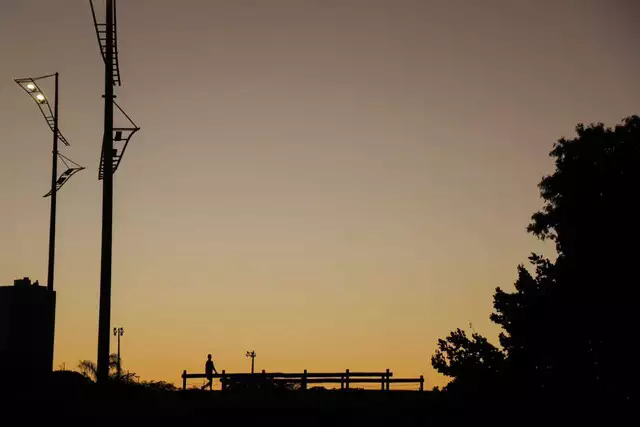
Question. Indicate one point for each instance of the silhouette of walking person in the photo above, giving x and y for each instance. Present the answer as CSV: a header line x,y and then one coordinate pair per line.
x,y
209,369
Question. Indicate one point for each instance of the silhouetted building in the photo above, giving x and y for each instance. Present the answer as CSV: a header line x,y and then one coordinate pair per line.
x,y
27,323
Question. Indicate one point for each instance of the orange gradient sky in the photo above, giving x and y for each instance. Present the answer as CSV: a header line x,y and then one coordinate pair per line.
x,y
335,184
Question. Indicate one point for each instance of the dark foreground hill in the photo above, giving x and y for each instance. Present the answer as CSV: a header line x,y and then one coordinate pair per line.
x,y
72,400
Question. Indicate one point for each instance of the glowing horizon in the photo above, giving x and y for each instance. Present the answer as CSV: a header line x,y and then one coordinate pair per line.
x,y
345,183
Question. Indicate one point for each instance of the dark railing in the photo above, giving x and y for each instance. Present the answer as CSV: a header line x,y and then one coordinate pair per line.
x,y
345,379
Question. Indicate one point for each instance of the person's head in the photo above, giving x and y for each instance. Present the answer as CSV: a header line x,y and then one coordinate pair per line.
x,y
208,357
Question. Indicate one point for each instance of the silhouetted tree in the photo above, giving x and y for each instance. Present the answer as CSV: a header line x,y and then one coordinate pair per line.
x,y
89,369
530,335
471,362
591,214
571,323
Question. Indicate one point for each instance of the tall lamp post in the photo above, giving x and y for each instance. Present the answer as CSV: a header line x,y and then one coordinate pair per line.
x,y
114,143
119,332
31,86
252,355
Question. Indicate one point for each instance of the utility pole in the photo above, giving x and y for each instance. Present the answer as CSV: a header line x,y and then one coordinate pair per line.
x,y
252,355
104,321
109,160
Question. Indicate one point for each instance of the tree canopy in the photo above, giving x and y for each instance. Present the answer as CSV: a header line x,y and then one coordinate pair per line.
x,y
473,361
89,369
570,323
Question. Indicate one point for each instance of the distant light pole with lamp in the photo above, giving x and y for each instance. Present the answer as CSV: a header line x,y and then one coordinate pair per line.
x,y
118,332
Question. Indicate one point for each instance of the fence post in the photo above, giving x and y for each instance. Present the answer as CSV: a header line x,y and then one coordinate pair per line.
x,y
341,382
421,383
346,383
223,382
304,380
388,375
184,379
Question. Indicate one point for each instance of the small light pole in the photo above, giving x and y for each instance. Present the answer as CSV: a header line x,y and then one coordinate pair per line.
x,y
118,332
252,355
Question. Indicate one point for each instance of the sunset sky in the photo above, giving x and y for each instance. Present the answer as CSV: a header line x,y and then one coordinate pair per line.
x,y
333,183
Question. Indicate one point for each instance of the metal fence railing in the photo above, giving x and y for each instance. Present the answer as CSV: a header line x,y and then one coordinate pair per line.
x,y
305,380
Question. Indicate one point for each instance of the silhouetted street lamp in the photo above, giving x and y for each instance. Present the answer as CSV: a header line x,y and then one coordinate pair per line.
x,y
252,355
118,332
31,87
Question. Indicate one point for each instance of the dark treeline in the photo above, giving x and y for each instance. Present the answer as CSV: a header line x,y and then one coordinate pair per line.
x,y
569,326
